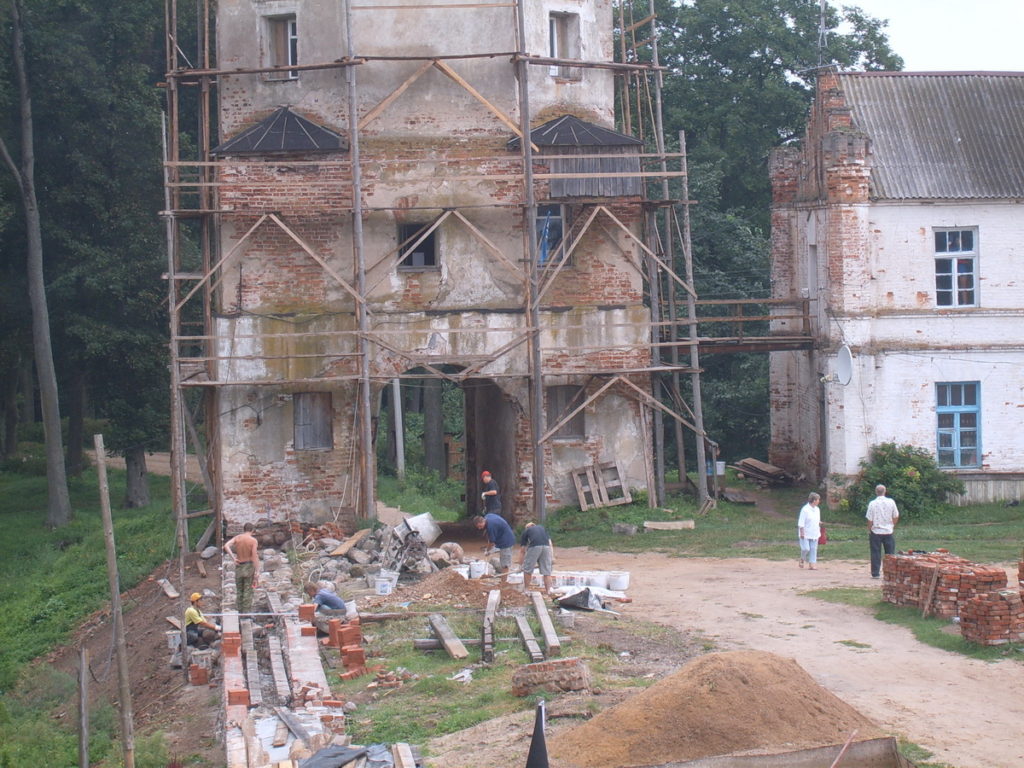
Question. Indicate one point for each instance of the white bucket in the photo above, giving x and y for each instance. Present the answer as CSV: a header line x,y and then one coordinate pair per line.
x,y
477,568
173,639
391,576
515,578
462,570
720,468
383,586
618,580
596,579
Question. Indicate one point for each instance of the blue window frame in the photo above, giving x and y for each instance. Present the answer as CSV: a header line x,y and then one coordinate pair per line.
x,y
550,225
958,438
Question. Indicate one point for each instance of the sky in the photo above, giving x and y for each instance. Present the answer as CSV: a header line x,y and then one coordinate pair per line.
x,y
952,35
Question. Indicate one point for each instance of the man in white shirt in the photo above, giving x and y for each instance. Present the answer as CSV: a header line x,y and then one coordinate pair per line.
x,y
882,516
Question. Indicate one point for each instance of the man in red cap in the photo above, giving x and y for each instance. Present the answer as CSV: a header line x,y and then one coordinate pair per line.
x,y
490,496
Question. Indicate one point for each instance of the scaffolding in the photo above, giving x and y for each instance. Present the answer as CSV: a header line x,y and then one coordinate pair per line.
x,y
652,374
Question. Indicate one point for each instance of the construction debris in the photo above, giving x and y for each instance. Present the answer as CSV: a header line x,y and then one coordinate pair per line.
x,y
762,473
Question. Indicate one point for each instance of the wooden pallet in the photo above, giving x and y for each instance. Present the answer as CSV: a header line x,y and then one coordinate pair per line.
x,y
600,485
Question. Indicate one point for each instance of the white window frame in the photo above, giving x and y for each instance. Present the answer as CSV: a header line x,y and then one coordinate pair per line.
x,y
564,43
282,45
956,267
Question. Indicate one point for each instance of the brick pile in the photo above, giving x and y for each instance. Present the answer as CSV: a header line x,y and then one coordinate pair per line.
x,y
553,675
909,577
996,618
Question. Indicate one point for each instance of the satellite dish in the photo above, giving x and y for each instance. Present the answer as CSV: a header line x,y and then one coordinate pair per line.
x,y
844,365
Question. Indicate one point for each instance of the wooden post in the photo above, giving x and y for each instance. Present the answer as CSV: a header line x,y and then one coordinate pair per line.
x,y
83,707
396,406
124,684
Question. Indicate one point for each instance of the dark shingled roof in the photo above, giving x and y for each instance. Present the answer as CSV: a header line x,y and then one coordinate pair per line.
x,y
569,131
944,135
283,131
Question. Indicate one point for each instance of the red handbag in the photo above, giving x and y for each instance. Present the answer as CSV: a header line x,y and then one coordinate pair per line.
x,y
823,538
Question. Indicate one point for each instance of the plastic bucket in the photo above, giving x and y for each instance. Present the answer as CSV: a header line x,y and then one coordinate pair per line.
x,y
462,570
477,568
391,576
596,579
515,578
173,639
382,585
618,580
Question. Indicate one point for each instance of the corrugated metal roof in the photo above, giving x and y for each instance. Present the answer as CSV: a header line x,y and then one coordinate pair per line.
x,y
941,134
569,131
283,131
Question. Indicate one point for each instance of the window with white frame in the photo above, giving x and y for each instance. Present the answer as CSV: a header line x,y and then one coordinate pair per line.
x,y
550,226
564,43
958,408
282,46
417,249
956,268
562,401
313,421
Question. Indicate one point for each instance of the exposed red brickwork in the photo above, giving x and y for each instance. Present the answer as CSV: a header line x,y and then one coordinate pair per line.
x,y
553,675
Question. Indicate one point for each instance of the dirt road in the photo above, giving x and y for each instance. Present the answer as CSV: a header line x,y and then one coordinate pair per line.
x,y
967,712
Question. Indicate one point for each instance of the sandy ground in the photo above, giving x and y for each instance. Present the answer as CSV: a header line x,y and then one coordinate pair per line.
x,y
967,712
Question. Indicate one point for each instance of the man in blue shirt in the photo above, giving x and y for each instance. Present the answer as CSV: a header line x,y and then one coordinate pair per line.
x,y
328,606
500,535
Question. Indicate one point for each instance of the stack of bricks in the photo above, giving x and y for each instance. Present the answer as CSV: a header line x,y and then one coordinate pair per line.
x,y
908,579
1020,574
993,619
553,675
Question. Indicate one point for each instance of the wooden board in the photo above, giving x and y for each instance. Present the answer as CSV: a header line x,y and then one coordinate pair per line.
x,y
552,644
174,622
343,548
293,724
926,604
402,755
529,641
280,734
168,588
674,525
487,640
444,633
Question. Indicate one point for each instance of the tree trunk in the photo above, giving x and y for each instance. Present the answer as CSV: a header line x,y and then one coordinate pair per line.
x,y
10,408
76,418
27,385
433,426
136,492
58,510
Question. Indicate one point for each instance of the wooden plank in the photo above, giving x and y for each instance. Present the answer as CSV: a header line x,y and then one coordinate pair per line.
x,y
174,621
441,65
201,567
401,753
926,604
343,548
487,640
252,664
293,724
444,633
552,644
529,641
581,494
168,588
207,535
675,525
280,734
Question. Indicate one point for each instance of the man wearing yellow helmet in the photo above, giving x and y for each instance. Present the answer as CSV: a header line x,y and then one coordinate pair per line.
x,y
198,629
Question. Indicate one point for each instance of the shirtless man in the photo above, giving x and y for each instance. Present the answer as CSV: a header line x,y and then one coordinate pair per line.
x,y
244,550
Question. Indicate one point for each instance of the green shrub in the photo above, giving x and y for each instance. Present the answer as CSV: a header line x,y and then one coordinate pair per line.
x,y
911,477
28,461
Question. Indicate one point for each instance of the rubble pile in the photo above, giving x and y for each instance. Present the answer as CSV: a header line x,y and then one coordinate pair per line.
x,y
448,588
909,578
993,619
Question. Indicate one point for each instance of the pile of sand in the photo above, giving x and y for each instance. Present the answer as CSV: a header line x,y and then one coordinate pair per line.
x,y
718,704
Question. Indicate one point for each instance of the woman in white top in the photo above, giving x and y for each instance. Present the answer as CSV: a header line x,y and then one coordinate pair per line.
x,y
809,527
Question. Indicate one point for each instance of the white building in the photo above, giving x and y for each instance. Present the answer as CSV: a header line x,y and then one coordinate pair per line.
x,y
901,217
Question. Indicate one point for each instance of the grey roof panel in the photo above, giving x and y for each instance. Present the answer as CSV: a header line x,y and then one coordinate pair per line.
x,y
570,131
283,131
942,135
